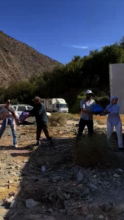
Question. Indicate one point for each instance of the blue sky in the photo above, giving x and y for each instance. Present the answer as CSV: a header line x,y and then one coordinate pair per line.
x,y
62,29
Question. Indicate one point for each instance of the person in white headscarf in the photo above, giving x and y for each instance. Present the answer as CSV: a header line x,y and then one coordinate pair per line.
x,y
114,120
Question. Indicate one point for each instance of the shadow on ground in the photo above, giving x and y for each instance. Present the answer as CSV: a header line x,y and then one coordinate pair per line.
x,y
57,190
34,183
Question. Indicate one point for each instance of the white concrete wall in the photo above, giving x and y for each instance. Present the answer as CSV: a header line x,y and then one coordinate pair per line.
x,y
116,74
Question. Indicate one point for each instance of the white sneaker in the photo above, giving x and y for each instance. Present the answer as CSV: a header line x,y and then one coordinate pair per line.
x,y
16,146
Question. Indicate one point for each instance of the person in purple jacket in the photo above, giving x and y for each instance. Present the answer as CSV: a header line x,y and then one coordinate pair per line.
x,y
114,120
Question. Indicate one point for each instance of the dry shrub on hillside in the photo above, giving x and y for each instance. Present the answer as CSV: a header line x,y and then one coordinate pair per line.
x,y
91,151
19,61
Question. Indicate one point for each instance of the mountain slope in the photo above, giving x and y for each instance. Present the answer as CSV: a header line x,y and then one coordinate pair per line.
x,y
19,61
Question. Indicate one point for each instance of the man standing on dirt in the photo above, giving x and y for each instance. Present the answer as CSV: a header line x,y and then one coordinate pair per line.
x,y
86,106
39,112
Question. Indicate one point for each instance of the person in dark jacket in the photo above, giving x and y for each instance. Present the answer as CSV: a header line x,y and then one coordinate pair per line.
x,y
39,112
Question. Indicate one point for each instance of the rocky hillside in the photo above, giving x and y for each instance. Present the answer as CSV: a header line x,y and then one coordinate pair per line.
x,y
19,61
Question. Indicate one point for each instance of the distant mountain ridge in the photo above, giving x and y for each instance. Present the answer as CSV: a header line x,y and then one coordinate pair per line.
x,y
19,61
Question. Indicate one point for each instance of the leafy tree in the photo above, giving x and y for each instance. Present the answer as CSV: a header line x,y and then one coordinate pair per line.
x,y
76,58
69,80
122,42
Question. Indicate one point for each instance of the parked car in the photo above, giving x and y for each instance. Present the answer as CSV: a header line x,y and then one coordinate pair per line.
x,y
21,108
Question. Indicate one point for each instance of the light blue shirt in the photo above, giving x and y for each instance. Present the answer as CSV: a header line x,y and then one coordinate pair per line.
x,y
88,106
113,117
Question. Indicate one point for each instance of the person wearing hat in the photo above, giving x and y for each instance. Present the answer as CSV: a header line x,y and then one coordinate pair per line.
x,y
39,112
86,106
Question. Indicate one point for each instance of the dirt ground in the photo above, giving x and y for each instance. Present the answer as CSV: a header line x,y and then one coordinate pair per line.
x,y
64,191
103,119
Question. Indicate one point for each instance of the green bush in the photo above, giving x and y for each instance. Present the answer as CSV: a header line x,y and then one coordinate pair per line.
x,y
103,101
98,92
76,107
91,151
14,101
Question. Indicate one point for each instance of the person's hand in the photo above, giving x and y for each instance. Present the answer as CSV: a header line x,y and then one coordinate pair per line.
x,y
106,112
5,116
17,122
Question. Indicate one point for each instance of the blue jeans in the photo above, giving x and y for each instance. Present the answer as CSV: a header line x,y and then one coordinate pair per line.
x,y
6,122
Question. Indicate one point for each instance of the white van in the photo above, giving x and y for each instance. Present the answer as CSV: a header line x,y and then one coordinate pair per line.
x,y
55,105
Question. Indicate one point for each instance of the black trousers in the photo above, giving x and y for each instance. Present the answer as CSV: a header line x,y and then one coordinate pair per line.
x,y
45,130
82,125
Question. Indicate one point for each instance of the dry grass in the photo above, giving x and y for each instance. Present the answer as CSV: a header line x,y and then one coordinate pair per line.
x,y
57,119
91,151
60,119
122,118
103,119
73,116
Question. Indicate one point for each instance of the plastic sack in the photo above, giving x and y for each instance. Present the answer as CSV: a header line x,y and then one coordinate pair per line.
x,y
97,109
23,116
